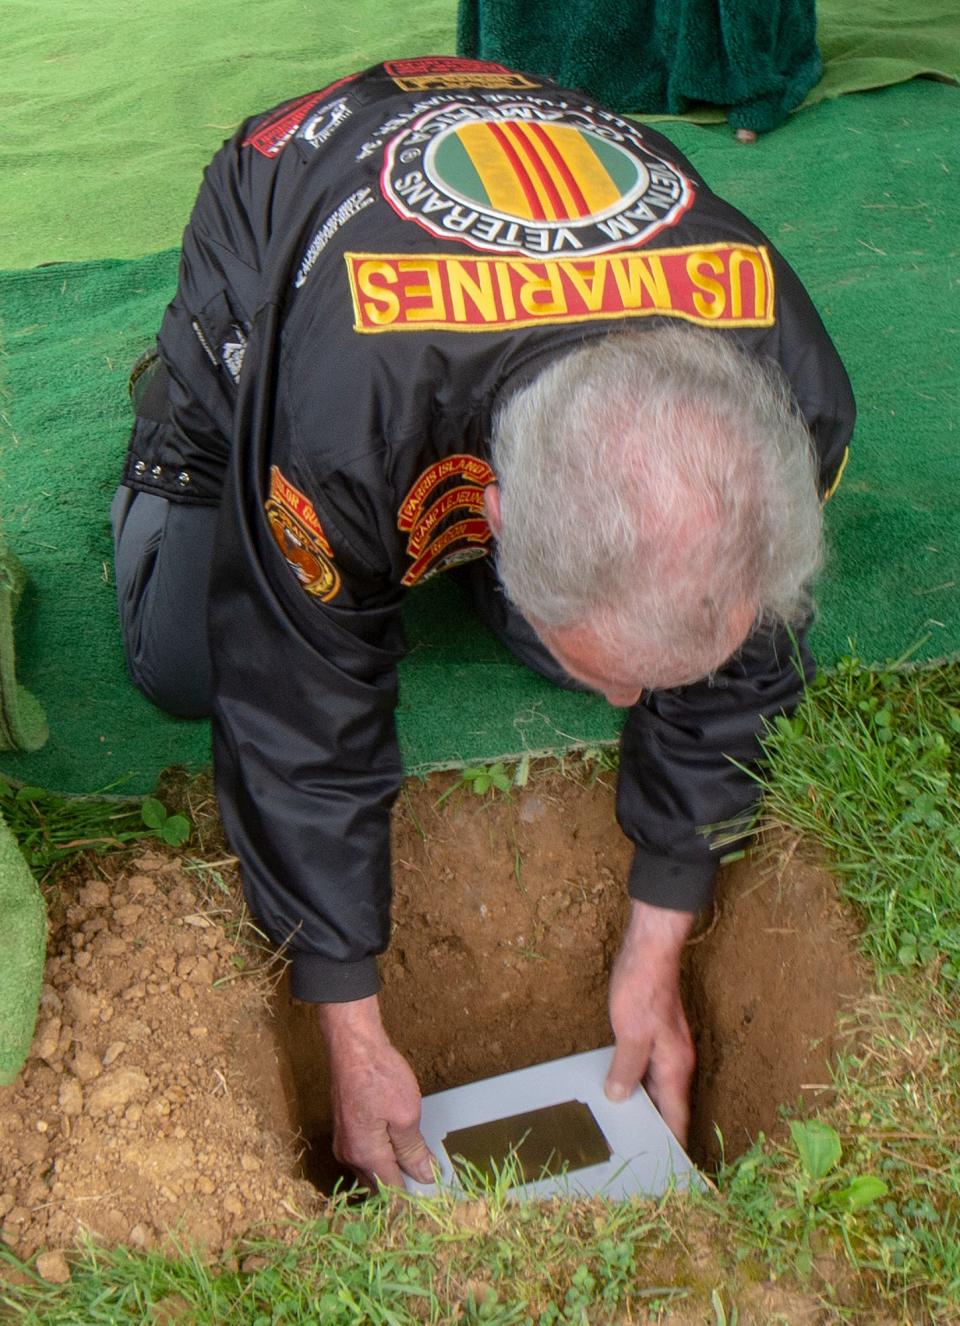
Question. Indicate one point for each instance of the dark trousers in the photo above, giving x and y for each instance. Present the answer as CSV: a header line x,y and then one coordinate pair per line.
x,y
163,554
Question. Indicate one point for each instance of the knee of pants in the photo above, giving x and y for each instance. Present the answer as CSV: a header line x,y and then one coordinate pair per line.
x,y
178,695
163,556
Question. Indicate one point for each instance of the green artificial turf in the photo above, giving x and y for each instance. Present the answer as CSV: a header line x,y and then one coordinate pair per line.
x,y
859,193
111,108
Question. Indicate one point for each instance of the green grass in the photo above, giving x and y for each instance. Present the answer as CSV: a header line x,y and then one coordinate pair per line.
x,y
389,1262
53,830
870,768
856,1209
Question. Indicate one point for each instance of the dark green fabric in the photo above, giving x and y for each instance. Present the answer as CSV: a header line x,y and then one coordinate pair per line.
x,y
757,59
861,196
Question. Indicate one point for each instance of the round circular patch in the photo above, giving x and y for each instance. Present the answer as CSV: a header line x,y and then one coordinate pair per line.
x,y
532,176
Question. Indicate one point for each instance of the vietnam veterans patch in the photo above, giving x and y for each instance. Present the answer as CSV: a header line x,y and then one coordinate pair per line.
x,y
300,538
532,175
713,285
443,515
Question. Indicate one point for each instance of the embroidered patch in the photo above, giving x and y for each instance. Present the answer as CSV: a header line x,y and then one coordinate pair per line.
x,y
435,544
271,137
322,236
324,123
300,537
532,175
232,351
714,285
448,71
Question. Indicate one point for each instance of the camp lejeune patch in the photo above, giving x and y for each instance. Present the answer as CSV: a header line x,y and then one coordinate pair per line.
x,y
443,516
531,174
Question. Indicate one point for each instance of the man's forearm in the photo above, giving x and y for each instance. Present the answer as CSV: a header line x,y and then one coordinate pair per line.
x,y
661,932
356,1023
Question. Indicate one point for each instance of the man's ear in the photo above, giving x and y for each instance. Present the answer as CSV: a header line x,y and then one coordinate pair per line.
x,y
491,507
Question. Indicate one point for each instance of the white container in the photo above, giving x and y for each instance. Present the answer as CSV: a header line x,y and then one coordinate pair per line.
x,y
630,1149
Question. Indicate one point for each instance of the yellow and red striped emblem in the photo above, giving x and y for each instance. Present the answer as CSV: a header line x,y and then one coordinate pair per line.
x,y
533,171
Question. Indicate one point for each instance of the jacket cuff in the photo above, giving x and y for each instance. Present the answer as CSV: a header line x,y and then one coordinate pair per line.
x,y
663,881
319,980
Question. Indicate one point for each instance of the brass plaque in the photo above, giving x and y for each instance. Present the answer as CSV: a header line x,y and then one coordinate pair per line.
x,y
546,1142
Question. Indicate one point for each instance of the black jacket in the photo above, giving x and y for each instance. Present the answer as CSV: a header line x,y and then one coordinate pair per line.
x,y
365,269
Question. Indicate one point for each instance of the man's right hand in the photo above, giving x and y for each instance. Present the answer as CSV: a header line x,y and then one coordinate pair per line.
x,y
376,1099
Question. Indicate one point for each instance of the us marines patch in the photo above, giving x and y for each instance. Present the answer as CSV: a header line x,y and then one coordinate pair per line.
x,y
300,538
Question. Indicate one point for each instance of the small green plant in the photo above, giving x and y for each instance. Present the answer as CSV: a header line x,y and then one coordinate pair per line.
x,y
720,1315
52,830
818,1194
480,779
171,829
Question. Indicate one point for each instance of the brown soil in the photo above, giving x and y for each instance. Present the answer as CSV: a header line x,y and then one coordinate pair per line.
x,y
163,1093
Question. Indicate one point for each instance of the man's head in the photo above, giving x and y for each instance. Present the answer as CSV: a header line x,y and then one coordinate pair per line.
x,y
656,500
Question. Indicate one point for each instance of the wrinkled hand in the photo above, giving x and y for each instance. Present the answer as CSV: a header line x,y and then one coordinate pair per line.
x,y
654,1045
376,1099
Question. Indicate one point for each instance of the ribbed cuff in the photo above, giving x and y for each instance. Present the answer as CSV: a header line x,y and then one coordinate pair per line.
x,y
318,980
662,881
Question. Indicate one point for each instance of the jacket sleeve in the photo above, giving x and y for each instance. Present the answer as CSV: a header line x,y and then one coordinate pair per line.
x,y
305,750
677,770
680,748
307,764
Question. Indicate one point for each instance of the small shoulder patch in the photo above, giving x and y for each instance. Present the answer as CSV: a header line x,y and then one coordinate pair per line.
x,y
430,72
300,538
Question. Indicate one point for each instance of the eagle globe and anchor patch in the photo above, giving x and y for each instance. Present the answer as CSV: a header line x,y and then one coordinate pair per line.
x,y
532,175
299,536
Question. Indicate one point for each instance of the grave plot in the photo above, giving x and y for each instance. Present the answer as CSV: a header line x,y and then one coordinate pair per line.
x,y
174,1087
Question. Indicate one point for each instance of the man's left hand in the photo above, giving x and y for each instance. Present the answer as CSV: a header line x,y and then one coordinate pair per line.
x,y
654,1045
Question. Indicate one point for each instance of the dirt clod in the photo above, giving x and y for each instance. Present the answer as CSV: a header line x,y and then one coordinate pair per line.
x,y
52,1266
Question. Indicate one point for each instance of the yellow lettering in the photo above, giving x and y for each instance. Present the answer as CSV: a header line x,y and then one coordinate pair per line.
x,y
636,275
432,291
714,306
737,258
385,307
506,291
480,292
588,280
534,285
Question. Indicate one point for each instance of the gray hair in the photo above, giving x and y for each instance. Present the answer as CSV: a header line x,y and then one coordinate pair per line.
x,y
655,486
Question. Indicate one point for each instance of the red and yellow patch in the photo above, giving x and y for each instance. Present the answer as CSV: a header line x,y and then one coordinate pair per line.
x,y
434,544
272,136
449,71
300,538
714,285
